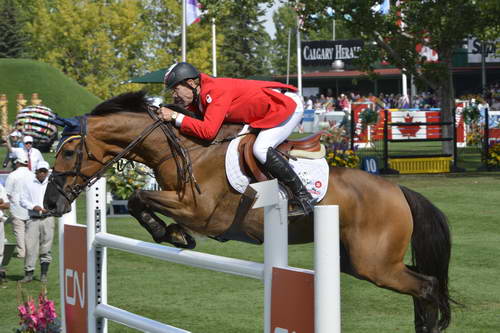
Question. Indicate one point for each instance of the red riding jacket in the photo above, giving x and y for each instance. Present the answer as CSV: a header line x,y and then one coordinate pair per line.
x,y
238,101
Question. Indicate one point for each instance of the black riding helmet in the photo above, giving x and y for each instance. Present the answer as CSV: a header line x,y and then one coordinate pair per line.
x,y
178,73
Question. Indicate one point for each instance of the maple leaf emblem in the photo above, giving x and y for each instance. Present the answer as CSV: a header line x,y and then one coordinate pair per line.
x,y
409,131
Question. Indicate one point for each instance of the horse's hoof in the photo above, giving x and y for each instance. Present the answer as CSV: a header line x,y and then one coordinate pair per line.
x,y
176,236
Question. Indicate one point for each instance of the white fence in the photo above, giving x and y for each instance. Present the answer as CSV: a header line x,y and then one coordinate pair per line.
x,y
327,261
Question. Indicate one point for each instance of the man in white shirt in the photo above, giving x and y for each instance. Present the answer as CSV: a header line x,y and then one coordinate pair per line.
x,y
13,188
4,204
39,227
34,155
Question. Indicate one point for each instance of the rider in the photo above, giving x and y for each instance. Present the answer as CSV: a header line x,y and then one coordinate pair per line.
x,y
273,107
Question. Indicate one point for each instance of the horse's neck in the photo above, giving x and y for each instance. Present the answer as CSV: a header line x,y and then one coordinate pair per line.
x,y
117,131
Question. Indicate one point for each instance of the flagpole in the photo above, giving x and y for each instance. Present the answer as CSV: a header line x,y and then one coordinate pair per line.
x,y
299,58
184,30
214,49
288,56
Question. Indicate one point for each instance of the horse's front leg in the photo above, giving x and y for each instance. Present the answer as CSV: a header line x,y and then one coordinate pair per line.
x,y
143,204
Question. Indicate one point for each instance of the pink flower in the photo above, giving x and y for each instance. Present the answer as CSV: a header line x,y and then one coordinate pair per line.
x,y
37,318
22,310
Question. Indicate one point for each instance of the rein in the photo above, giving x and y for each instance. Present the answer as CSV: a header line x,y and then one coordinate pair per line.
x,y
213,143
184,166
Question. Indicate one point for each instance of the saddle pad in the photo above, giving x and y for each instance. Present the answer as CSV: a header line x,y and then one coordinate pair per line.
x,y
313,173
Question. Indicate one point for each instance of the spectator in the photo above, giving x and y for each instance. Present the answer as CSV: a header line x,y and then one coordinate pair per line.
x,y
34,155
4,204
40,226
15,141
344,103
309,103
13,189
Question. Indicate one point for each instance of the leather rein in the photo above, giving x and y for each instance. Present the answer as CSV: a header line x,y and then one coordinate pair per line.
x,y
178,152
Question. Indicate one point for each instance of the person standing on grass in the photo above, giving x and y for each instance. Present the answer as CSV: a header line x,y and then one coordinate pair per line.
x,y
15,141
40,225
4,204
34,155
13,188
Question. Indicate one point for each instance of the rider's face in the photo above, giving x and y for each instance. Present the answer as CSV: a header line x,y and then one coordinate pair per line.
x,y
183,94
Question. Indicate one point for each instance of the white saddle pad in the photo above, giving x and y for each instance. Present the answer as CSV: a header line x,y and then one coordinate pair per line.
x,y
313,172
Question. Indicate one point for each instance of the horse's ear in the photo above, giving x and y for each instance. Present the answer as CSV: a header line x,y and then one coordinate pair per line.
x,y
180,109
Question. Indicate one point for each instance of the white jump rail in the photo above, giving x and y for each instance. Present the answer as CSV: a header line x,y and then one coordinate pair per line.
x,y
327,263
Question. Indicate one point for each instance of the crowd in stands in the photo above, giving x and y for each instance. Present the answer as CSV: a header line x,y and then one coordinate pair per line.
x,y
21,199
343,102
492,96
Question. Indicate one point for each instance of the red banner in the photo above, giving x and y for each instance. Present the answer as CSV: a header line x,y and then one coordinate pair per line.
x,y
75,278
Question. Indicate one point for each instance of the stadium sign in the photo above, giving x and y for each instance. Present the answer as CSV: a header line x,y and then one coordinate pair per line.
x,y
475,50
325,52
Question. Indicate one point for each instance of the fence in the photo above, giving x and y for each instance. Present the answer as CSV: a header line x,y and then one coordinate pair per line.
x,y
326,274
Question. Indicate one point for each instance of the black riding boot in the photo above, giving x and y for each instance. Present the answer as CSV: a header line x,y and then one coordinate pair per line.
x,y
279,168
44,268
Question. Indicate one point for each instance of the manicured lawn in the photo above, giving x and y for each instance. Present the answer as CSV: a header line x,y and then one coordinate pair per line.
x,y
205,302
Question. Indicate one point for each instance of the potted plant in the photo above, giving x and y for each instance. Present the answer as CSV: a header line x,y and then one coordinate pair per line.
x,y
123,178
338,153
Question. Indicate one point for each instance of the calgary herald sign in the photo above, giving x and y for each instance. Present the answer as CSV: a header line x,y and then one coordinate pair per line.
x,y
324,52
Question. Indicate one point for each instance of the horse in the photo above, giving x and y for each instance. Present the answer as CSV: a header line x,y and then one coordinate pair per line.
x,y
379,220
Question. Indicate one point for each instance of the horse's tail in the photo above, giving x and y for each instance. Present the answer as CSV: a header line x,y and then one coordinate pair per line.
x,y
431,247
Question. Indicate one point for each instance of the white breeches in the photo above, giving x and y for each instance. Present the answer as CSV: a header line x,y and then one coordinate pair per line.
x,y
272,137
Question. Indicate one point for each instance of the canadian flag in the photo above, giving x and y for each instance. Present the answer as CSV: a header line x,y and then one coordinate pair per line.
x,y
193,11
427,52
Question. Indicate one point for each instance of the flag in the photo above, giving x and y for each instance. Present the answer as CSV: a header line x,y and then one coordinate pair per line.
x,y
382,8
429,54
385,7
193,11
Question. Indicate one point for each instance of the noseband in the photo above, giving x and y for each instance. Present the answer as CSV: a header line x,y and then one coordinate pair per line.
x,y
184,167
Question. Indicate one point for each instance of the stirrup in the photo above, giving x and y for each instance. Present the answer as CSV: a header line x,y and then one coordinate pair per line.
x,y
295,207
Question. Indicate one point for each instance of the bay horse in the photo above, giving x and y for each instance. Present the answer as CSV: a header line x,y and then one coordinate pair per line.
x,y
379,220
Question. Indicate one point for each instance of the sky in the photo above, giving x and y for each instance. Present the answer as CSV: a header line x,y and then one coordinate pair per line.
x,y
269,25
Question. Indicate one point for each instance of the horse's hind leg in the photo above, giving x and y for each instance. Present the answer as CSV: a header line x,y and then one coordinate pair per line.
x,y
426,307
401,279
173,234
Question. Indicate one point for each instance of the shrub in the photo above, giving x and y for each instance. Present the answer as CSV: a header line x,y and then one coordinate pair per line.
x,y
338,153
125,177
493,158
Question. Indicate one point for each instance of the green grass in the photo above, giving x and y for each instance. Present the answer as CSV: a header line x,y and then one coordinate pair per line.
x,y
210,302
57,91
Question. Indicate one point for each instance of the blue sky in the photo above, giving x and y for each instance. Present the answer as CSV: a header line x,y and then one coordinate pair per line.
x,y
269,19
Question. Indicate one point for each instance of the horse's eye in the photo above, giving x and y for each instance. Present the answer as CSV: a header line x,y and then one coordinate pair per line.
x,y
68,154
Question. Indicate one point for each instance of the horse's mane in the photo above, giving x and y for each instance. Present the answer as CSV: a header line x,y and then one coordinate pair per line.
x,y
135,101
131,101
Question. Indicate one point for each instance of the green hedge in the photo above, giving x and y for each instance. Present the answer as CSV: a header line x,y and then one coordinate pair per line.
x,y
57,91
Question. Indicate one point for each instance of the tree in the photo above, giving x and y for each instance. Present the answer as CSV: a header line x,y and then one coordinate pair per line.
x,y
440,25
12,36
98,43
245,43
285,21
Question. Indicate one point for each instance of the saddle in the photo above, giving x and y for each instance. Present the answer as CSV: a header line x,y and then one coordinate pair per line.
x,y
308,147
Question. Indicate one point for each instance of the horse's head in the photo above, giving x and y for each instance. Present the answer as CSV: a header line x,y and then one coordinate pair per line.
x,y
73,168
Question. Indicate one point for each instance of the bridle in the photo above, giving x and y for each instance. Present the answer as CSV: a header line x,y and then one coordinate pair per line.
x,y
178,152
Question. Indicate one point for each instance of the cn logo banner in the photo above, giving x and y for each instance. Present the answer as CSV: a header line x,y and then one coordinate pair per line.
x,y
75,278
292,305
325,52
